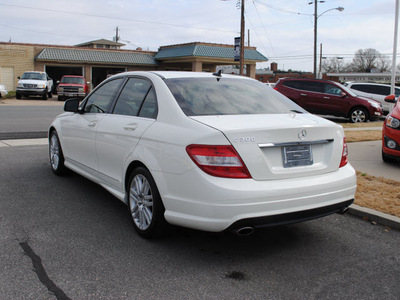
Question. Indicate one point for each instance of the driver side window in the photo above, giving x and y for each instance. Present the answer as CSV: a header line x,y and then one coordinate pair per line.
x,y
100,100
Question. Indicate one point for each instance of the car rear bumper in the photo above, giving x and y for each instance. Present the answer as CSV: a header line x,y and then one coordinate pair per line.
x,y
218,204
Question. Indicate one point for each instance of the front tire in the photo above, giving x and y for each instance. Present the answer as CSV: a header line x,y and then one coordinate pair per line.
x,y
358,115
18,95
44,95
50,94
145,205
56,154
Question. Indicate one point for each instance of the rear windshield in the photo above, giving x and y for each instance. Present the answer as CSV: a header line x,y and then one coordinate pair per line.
x,y
75,80
228,96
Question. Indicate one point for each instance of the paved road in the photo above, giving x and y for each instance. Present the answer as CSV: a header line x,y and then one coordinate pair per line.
x,y
366,157
26,121
69,236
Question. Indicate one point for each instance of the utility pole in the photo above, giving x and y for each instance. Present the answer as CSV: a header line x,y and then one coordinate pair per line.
x,y
116,35
315,36
396,25
242,38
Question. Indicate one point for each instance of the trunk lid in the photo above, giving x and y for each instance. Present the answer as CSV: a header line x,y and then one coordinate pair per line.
x,y
281,146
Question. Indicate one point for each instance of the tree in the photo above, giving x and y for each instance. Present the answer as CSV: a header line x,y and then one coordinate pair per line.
x,y
334,65
368,59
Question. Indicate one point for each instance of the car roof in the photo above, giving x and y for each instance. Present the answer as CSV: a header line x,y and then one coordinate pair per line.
x,y
73,76
307,79
369,83
182,74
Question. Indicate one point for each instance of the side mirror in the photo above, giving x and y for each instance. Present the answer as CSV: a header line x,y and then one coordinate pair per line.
x,y
390,99
19,77
72,105
343,94
58,81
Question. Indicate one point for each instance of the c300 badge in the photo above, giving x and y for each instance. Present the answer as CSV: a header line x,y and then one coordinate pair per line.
x,y
302,134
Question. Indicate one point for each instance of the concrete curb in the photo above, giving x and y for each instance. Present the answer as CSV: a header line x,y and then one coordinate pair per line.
x,y
23,142
375,216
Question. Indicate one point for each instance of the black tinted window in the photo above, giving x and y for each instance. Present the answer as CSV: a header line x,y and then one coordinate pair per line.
x,y
149,108
372,89
100,100
227,96
312,86
132,97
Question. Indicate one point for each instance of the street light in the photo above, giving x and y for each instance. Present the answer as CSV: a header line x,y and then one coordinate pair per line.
x,y
316,16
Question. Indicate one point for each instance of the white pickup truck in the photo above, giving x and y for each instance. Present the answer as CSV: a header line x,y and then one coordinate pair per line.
x,y
35,83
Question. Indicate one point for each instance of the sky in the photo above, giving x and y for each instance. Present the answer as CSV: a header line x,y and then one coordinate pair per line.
x,y
282,30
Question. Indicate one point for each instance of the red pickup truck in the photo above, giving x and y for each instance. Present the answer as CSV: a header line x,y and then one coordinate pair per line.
x,y
72,86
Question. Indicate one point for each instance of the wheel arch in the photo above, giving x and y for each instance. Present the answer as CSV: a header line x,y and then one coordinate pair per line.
x,y
132,166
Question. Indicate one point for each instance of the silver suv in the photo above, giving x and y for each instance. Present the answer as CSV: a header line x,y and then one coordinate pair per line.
x,y
374,91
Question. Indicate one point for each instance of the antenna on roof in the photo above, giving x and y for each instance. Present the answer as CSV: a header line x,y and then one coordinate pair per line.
x,y
218,73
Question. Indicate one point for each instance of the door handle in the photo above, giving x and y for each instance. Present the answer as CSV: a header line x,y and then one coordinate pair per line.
x,y
92,123
327,98
303,94
131,127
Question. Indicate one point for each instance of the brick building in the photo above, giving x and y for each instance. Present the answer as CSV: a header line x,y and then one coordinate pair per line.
x,y
96,61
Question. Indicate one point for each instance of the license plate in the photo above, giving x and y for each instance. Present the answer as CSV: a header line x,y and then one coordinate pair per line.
x,y
297,156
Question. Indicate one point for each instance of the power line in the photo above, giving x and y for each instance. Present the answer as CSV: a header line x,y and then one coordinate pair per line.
x,y
116,18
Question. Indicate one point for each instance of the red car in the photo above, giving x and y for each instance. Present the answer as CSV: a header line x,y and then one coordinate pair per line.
x,y
325,97
72,86
391,133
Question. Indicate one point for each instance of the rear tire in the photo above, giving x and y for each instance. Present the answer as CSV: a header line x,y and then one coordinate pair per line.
x,y
358,115
145,205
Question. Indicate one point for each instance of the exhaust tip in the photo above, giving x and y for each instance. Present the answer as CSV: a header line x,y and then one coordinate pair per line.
x,y
244,231
344,210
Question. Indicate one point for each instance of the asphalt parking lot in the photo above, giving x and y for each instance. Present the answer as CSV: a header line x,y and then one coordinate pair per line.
x,y
67,238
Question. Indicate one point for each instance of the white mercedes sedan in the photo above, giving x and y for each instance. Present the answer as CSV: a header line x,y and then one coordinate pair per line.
x,y
207,151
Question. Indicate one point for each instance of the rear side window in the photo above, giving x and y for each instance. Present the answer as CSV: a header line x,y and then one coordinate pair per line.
x,y
372,89
312,86
227,96
360,87
137,99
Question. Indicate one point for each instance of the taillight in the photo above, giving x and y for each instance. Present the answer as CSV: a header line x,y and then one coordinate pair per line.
x,y
218,160
345,152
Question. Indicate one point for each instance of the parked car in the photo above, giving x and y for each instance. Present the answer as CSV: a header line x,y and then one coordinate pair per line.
x,y
391,133
374,91
206,151
34,83
3,91
72,86
326,97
